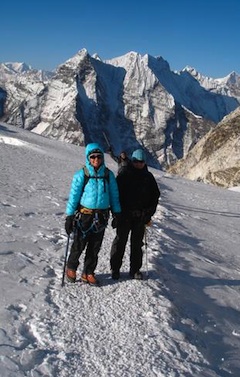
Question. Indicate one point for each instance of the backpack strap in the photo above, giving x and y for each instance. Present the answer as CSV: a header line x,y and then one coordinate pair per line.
x,y
87,176
106,177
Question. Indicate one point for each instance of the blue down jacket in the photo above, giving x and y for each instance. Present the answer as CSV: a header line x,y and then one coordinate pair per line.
x,y
97,193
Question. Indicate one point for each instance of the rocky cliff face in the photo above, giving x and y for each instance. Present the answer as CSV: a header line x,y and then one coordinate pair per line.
x,y
215,158
135,100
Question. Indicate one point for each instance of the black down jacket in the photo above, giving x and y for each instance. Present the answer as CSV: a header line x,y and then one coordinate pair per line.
x,y
139,192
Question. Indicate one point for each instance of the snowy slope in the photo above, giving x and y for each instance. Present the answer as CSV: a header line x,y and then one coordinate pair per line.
x,y
182,321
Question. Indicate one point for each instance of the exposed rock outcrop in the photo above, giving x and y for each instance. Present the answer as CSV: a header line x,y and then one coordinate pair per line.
x,y
215,158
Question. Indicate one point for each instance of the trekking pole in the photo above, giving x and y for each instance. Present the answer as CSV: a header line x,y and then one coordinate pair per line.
x,y
146,251
65,261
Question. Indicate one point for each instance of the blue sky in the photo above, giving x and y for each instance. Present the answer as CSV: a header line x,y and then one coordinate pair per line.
x,y
204,34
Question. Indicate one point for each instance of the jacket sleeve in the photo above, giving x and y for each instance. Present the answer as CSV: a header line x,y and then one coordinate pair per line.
x,y
114,194
75,192
155,195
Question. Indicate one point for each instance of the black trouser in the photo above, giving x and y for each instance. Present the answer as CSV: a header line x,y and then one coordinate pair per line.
x,y
92,240
137,228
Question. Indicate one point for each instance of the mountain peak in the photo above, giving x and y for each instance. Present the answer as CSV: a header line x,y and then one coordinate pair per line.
x,y
74,61
17,67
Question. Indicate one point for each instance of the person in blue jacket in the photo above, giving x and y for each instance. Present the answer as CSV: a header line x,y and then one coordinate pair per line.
x,y
93,194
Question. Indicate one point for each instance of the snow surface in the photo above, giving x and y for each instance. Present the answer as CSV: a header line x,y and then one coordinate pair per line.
x,y
181,321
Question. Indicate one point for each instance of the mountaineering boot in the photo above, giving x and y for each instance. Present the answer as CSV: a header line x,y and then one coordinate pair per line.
x,y
136,275
84,277
71,275
92,280
115,275
89,278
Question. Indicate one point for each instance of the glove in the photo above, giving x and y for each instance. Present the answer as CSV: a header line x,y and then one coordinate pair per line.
x,y
116,220
147,220
69,224
146,217
149,223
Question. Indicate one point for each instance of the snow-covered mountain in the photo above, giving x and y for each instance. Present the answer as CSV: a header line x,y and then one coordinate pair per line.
x,y
10,71
228,86
135,100
215,158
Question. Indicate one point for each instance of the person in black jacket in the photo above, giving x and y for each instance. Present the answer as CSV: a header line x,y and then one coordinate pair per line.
x,y
139,194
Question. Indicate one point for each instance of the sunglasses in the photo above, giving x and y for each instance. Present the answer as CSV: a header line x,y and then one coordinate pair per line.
x,y
138,161
94,156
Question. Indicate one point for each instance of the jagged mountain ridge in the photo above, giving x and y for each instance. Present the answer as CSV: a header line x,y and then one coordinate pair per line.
x,y
215,159
10,71
136,100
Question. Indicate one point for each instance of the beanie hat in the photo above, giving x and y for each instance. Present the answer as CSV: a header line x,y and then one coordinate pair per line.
x,y
93,148
97,150
139,155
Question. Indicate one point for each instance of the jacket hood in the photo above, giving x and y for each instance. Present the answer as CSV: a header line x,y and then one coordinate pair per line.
x,y
93,147
139,155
